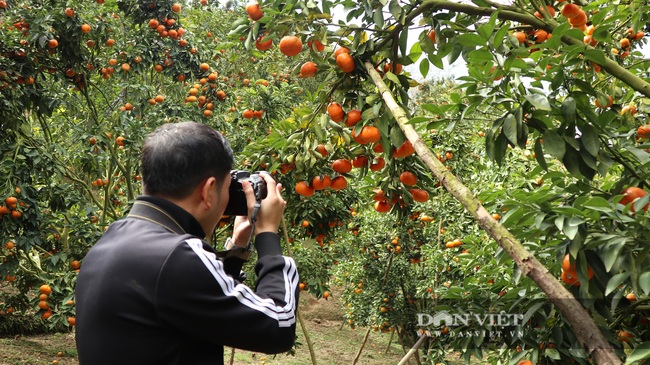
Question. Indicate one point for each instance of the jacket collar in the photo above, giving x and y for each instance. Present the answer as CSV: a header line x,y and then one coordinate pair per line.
x,y
166,214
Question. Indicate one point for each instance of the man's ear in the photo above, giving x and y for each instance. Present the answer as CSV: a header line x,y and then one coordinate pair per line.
x,y
208,192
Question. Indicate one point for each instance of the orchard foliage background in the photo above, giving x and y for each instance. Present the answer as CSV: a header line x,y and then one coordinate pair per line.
x,y
547,130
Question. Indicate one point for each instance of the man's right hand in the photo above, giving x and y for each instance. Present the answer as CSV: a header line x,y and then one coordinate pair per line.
x,y
272,209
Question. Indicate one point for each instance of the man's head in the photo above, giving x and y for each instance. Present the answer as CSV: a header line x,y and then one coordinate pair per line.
x,y
177,157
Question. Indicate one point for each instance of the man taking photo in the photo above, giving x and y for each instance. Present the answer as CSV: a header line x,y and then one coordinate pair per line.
x,y
153,291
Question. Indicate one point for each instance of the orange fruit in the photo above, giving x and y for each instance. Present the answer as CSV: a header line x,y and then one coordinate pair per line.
x,y
322,150
339,183
360,161
9,245
353,117
570,10
204,67
45,289
631,194
72,321
16,214
408,178
335,111
69,12
302,286
382,206
316,44
610,102
176,7
643,131
525,362
345,62
550,9
247,114
159,98
321,182
308,69
254,11
75,264
153,23
567,266
624,336
379,164
126,67
540,35
263,45
110,42
639,35
419,195
405,150
432,35
579,19
521,36
290,45
342,166
370,134
568,279
339,51
46,314
119,141
625,42
389,67
85,28
303,188
43,305
52,43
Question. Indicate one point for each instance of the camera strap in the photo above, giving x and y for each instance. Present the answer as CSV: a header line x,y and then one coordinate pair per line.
x,y
256,209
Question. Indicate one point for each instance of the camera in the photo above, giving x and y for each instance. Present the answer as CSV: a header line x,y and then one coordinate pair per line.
x,y
237,201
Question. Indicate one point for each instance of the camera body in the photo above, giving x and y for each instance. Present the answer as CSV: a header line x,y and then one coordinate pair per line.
x,y
237,201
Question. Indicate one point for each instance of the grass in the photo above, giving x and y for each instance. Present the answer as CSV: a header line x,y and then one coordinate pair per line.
x,y
334,343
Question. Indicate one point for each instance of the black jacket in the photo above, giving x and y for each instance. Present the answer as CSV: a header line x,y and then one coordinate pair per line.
x,y
155,293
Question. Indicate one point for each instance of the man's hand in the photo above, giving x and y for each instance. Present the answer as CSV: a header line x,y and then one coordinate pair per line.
x,y
241,231
270,213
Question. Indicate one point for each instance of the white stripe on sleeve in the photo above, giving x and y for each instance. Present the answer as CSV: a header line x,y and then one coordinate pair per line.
x,y
284,315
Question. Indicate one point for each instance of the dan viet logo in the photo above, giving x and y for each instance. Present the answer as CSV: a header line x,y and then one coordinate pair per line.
x,y
472,324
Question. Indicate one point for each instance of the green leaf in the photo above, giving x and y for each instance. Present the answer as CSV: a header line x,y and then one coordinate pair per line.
x,y
395,9
510,128
378,18
436,60
644,282
552,353
569,109
539,101
615,281
500,35
470,40
595,55
480,56
602,34
599,204
424,68
609,253
639,353
485,30
418,120
539,155
554,144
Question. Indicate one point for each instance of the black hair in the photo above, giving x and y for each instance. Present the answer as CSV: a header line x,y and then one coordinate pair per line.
x,y
176,157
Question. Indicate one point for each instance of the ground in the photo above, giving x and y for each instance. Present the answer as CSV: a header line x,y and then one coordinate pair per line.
x,y
334,343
